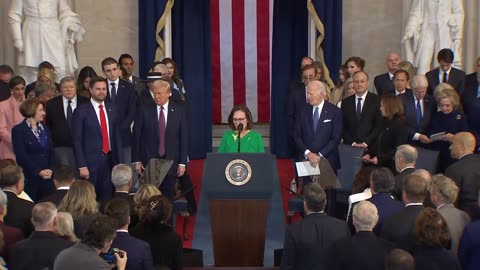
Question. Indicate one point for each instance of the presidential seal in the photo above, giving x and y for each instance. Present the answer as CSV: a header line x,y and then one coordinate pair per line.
x,y
238,172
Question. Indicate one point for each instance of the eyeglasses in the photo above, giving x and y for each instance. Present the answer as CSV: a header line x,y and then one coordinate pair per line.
x,y
238,119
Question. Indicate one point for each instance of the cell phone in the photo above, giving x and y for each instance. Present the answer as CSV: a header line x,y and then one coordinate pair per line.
x,y
109,256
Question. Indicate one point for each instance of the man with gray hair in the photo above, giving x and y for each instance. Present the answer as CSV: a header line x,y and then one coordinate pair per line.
x,y
444,193
11,235
41,248
44,92
405,159
307,243
122,181
418,107
351,253
427,177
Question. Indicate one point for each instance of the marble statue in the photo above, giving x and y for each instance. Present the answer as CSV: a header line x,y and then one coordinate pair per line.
x,y
45,30
433,25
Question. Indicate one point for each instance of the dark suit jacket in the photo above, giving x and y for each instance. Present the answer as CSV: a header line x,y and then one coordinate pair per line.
x,y
466,174
470,247
296,102
409,105
38,251
435,258
4,91
456,78
364,251
384,85
30,154
57,121
325,139
308,243
399,228
386,207
146,138
11,235
56,197
124,109
19,213
397,190
87,136
366,128
138,85
122,195
471,104
165,244
138,251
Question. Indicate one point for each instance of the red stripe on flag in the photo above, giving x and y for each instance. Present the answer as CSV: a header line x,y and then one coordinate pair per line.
x,y
263,60
238,54
216,79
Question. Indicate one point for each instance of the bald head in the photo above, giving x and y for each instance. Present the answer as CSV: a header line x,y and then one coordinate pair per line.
x,y
463,143
393,59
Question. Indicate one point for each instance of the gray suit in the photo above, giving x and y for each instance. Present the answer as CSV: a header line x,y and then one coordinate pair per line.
x,y
456,221
79,257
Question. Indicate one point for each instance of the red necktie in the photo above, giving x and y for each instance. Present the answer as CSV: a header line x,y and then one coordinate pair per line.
x,y
161,133
103,127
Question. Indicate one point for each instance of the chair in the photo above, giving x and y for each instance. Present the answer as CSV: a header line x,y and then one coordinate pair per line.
x,y
427,159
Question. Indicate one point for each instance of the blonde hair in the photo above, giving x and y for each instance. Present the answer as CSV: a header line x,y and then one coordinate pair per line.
x,y
445,90
65,226
80,200
145,192
47,73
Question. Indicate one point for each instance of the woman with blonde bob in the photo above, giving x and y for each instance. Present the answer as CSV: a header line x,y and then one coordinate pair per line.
x,y
80,202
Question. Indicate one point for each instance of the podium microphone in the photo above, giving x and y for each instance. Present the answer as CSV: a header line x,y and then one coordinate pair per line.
x,y
239,129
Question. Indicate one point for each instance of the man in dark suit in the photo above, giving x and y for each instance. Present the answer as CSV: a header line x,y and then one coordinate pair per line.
x,y
400,80
399,259
63,178
405,160
471,102
161,131
446,73
41,248
465,171
59,119
381,186
399,228
351,253
19,211
418,107
307,243
384,82
96,143
126,61
4,91
361,114
139,253
6,73
11,235
122,181
121,94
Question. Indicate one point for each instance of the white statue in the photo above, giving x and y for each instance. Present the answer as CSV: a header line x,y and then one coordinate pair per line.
x,y
45,30
434,25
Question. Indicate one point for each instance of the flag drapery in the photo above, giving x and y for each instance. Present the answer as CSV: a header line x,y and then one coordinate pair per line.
x,y
241,32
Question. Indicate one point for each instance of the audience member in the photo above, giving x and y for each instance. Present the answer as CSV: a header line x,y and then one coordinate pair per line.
x,y
32,146
351,253
400,82
83,81
445,73
143,194
59,114
360,192
126,60
381,186
408,67
122,181
443,193
471,101
139,253
11,235
448,120
431,233
320,68
43,92
65,227
405,159
10,116
308,242
348,90
399,259
361,114
85,254
465,171
40,249
427,177
178,89
469,247
6,73
46,74
354,64
337,93
384,82
63,178
165,244
7,162
19,211
81,204
245,140
398,228
394,132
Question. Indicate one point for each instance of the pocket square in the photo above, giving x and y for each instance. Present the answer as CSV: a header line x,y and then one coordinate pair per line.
x,y
327,120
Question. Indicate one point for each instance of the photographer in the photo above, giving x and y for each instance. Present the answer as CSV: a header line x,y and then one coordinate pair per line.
x,y
85,255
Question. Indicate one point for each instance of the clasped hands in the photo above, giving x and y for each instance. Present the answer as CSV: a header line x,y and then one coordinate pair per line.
x,y
45,174
313,158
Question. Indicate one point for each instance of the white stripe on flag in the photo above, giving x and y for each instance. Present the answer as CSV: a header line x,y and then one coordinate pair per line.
x,y
251,80
226,62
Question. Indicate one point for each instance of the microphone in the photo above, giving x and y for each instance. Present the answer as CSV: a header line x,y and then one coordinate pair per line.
x,y
239,129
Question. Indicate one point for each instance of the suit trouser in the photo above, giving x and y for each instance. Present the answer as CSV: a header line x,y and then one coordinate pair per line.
x,y
100,177
186,184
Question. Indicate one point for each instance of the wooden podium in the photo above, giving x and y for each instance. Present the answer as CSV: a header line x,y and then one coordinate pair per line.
x,y
238,212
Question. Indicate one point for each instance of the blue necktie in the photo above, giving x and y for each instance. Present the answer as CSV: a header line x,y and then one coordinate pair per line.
x,y
419,112
69,113
315,119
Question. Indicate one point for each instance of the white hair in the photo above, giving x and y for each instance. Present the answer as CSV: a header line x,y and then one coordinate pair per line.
x,y
365,216
121,175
